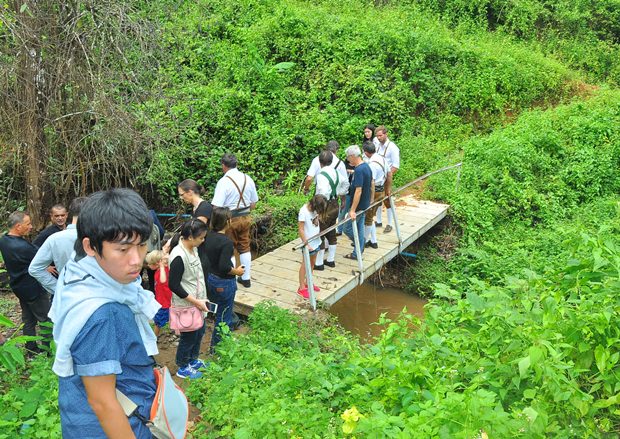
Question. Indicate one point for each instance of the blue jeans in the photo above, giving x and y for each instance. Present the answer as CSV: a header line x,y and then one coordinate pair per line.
x,y
348,230
189,346
222,292
341,214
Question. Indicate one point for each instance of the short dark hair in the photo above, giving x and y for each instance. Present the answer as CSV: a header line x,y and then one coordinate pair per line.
x,y
229,160
219,218
332,146
111,216
76,206
57,207
189,229
326,158
369,147
17,217
190,185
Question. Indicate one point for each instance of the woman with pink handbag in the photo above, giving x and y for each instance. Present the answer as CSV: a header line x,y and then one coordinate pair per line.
x,y
189,301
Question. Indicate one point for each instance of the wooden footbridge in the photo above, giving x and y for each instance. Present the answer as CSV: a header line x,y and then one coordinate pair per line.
x,y
275,274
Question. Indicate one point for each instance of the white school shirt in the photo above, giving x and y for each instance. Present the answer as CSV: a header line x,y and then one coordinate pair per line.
x,y
227,195
322,183
379,167
311,225
389,150
337,164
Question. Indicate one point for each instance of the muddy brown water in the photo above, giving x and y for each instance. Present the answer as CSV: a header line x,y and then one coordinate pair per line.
x,y
361,308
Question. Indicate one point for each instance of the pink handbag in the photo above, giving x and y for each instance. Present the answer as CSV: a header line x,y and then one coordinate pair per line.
x,y
186,318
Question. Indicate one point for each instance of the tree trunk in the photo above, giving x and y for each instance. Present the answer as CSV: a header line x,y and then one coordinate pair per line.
x,y
31,110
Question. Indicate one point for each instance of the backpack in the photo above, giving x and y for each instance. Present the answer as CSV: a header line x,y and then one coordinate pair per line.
x,y
169,412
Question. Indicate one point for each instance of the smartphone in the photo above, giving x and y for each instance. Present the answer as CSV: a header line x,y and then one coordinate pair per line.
x,y
211,307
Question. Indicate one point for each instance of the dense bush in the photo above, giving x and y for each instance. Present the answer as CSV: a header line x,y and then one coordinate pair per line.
x,y
584,33
273,81
536,358
528,188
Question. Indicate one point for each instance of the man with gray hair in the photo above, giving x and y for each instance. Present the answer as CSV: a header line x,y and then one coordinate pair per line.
x,y
237,191
361,195
17,254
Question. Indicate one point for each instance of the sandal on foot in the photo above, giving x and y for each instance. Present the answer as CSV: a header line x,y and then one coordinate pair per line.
x,y
350,256
315,288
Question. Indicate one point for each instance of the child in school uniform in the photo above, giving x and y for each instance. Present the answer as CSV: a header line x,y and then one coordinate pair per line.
x,y
101,319
157,261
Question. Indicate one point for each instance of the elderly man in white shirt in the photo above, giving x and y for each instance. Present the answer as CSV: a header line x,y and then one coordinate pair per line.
x,y
237,191
53,255
382,176
388,150
327,181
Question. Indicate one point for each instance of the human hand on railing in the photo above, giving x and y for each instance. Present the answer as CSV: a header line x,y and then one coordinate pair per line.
x,y
352,214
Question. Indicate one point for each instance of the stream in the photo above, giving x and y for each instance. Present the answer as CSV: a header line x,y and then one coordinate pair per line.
x,y
358,310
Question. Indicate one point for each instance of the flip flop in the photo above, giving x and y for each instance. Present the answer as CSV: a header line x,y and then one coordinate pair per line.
x,y
350,256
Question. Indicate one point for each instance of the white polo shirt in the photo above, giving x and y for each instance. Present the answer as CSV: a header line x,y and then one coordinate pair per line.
x,y
389,150
337,164
379,167
322,183
227,195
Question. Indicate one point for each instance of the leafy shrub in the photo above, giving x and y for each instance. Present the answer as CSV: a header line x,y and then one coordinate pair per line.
x,y
29,401
535,358
584,33
274,81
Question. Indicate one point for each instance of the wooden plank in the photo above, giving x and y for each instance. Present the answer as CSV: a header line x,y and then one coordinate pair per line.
x,y
275,275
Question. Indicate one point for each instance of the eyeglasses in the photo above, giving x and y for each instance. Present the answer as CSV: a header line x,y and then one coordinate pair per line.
x,y
181,194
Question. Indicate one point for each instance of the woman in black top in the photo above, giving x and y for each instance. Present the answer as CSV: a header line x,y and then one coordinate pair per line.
x,y
190,192
221,285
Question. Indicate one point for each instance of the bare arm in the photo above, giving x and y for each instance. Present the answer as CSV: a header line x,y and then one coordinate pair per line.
x,y
162,271
302,234
356,200
101,394
388,185
307,182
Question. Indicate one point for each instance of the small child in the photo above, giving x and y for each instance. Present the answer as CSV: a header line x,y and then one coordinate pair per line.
x,y
157,260
309,226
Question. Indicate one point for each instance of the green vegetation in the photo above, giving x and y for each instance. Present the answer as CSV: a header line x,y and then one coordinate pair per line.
x,y
534,358
503,349
529,188
583,33
520,338
29,401
273,81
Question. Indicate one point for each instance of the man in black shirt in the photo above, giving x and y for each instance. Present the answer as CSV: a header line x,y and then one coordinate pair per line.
x,y
17,254
58,215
